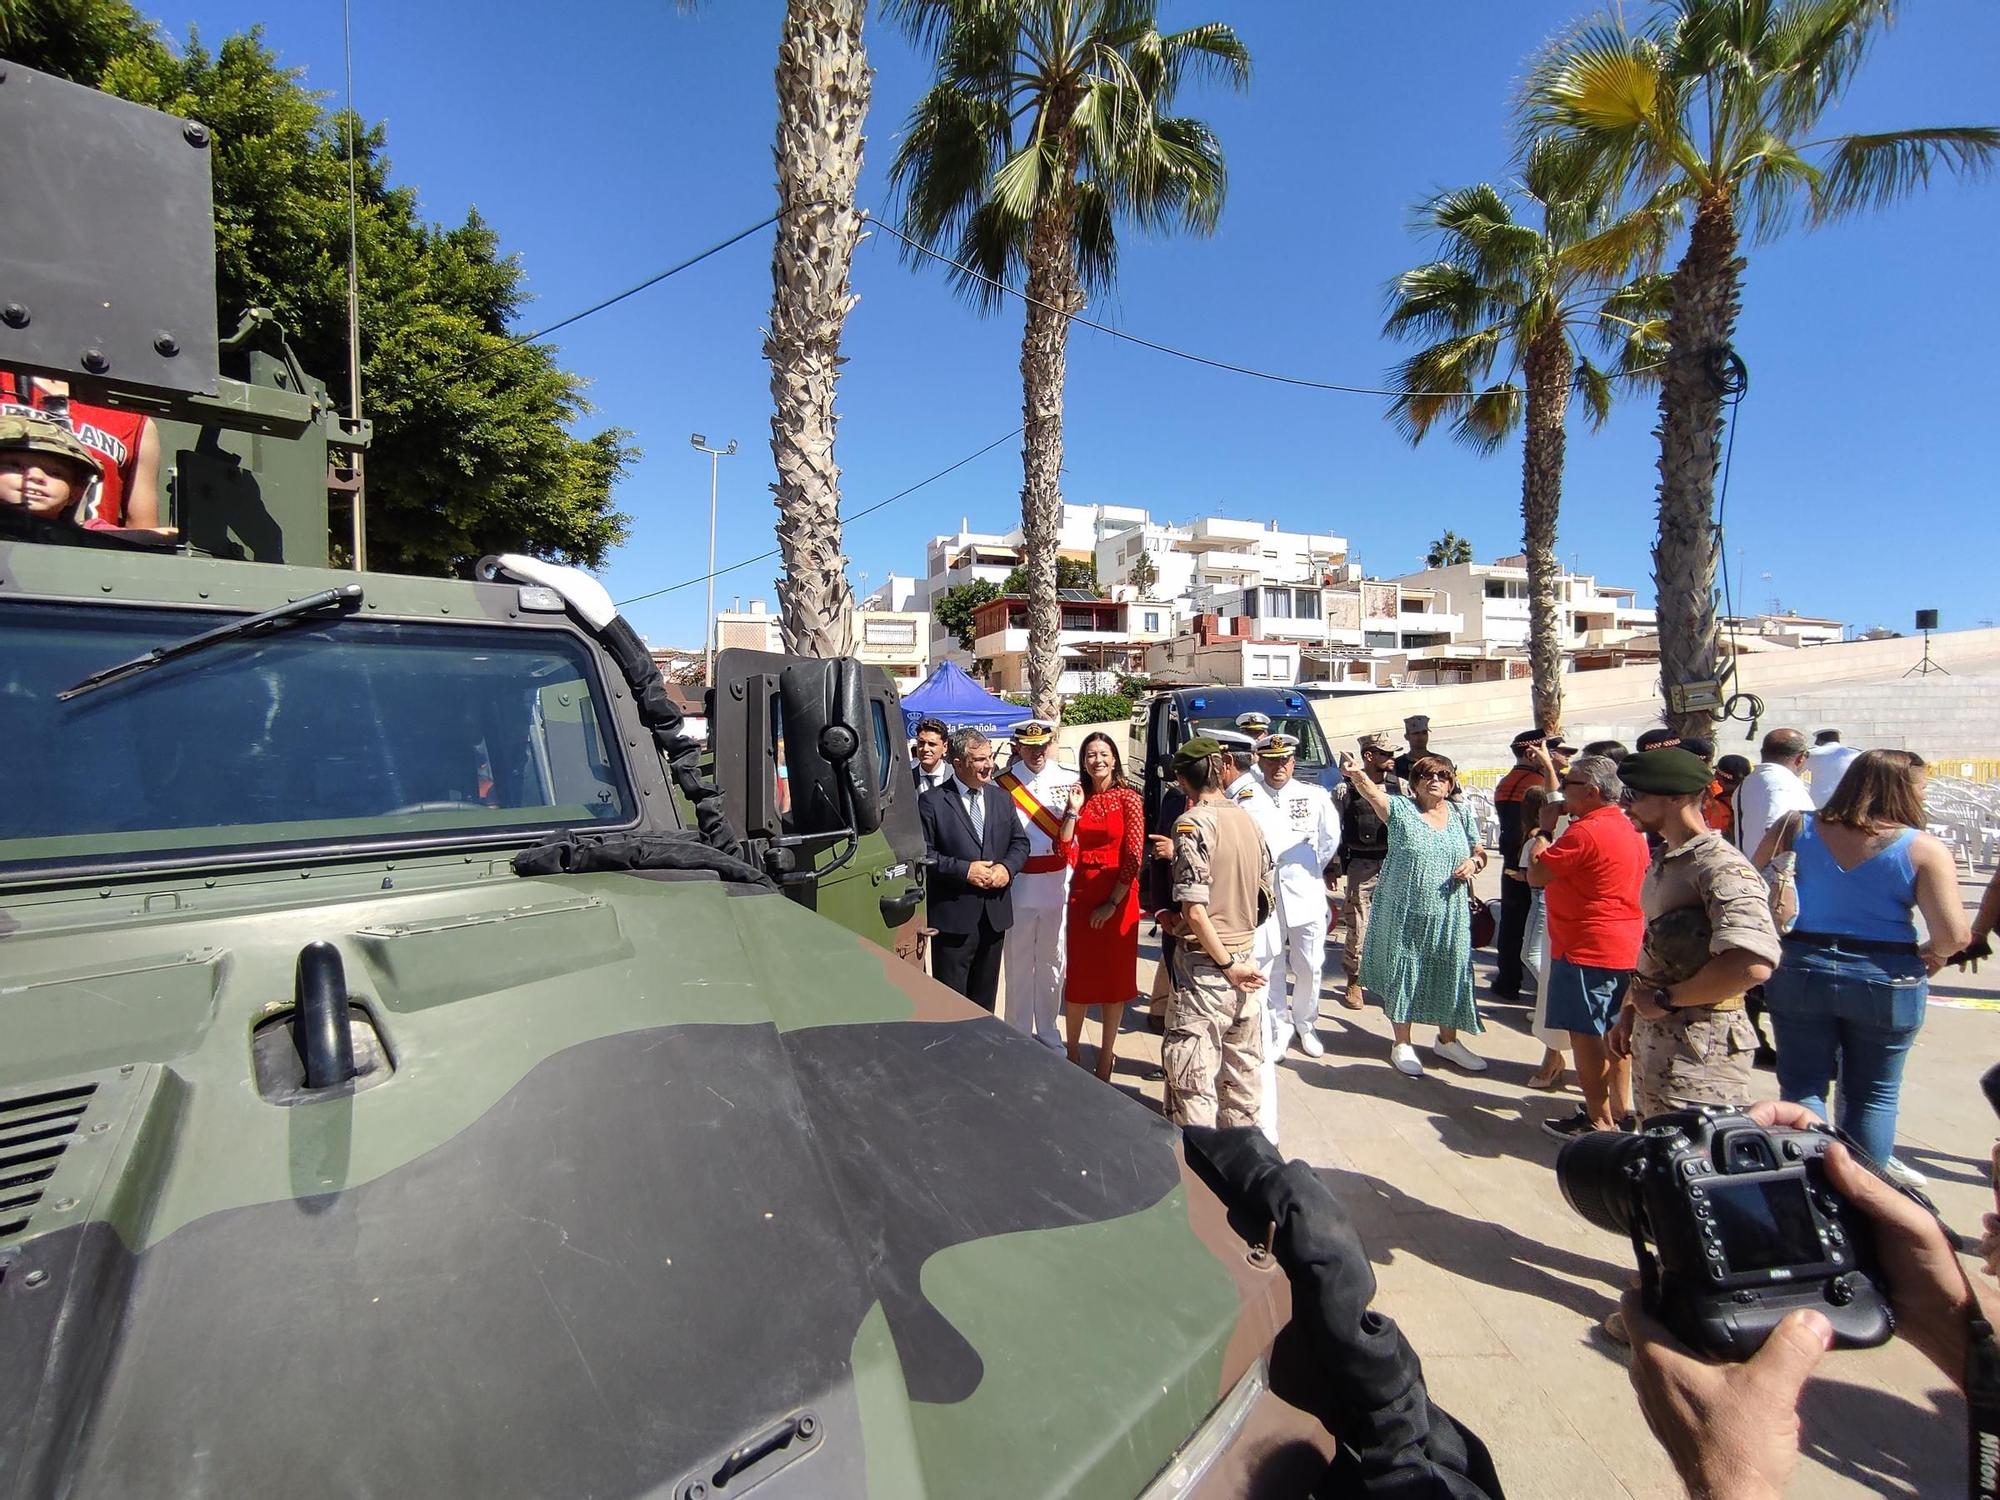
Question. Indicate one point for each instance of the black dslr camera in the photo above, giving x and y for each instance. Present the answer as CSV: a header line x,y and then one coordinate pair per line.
x,y
1745,1222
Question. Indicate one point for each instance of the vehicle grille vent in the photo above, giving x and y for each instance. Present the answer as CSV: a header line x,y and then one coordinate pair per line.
x,y
35,1130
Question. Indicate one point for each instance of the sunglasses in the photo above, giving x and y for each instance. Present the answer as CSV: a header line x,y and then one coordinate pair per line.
x,y
1432,776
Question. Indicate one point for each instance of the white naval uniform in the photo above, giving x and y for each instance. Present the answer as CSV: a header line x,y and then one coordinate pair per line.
x,y
1036,946
1247,792
1311,825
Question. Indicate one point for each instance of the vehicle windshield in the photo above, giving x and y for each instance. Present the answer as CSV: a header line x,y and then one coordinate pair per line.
x,y
347,730
1312,744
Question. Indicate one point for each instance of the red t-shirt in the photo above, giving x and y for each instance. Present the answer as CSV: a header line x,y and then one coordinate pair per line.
x,y
111,434
1592,903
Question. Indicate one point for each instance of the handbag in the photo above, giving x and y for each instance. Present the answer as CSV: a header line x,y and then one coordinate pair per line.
x,y
1781,874
1484,927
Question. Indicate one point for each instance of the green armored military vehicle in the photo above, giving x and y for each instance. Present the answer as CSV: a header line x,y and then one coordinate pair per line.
x,y
420,1074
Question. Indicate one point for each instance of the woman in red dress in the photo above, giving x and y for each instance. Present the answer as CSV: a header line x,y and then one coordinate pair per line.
x,y
1104,901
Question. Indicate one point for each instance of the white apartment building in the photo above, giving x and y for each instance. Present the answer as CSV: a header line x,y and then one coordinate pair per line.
x,y
1099,639
1492,599
752,629
899,591
896,640
1787,629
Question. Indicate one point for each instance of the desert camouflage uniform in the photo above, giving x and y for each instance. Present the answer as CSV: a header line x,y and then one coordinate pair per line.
x,y
1701,899
1214,1047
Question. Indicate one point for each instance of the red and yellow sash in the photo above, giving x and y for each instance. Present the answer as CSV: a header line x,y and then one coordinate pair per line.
x,y
1026,800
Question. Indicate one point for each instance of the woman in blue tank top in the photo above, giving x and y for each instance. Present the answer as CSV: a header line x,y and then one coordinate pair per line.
x,y
1848,999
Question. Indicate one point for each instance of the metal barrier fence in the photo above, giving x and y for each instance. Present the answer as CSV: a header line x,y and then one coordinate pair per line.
x,y
1984,772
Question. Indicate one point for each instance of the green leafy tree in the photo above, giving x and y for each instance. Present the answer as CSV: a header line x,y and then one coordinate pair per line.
x,y
1517,292
72,39
473,450
1071,573
953,608
1143,575
1448,551
1715,103
1097,708
1049,122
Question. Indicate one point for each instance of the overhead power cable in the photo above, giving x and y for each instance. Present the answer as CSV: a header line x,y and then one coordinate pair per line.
x,y
688,583
1200,359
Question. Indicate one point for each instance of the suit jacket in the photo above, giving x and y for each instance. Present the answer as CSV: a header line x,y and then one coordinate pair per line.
x,y
954,904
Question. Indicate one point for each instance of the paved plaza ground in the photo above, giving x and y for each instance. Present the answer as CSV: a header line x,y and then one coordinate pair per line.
x,y
1501,1287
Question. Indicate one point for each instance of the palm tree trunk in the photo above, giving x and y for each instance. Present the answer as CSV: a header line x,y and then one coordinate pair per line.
x,y
1699,325
1548,380
823,87
1053,296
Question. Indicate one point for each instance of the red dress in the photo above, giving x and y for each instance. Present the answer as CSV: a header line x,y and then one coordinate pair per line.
x,y
1110,840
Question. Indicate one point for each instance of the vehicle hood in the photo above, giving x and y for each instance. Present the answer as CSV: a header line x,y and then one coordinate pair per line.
x,y
660,1164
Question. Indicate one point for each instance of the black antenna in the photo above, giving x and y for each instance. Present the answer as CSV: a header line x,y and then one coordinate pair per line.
x,y
353,299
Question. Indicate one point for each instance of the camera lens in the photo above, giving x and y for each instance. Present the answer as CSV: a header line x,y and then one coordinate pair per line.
x,y
1593,1172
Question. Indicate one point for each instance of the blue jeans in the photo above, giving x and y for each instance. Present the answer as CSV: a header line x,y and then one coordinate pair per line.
x,y
1850,1018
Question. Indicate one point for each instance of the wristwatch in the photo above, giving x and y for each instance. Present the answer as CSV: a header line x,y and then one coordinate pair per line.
x,y
1663,997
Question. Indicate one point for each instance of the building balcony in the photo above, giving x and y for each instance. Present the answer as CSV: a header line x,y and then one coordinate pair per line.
x,y
1430,622
1230,563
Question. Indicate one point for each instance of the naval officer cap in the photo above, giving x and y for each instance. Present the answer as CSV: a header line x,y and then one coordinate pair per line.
x,y
1664,773
1278,747
1254,722
1032,732
1234,741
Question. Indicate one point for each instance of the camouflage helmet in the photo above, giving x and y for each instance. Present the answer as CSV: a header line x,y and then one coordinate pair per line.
x,y
45,435
1676,945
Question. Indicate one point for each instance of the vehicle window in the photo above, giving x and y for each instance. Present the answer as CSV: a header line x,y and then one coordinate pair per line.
x,y
885,756
349,729
1312,744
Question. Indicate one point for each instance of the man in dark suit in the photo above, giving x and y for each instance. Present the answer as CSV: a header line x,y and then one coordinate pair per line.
x,y
977,847
930,767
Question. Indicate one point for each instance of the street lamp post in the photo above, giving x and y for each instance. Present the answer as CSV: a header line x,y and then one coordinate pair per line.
x,y
715,458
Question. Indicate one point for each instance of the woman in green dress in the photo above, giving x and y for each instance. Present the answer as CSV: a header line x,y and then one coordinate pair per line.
x,y
1418,955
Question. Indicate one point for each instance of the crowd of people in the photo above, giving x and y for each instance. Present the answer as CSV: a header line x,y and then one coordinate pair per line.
x,y
1656,903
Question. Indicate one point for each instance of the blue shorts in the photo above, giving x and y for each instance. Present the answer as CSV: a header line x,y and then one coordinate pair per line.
x,y
1583,999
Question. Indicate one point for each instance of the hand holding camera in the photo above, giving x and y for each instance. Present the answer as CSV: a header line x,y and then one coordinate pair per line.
x,y
1733,1428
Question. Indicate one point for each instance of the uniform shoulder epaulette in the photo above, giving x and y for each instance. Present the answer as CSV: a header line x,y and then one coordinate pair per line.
x,y
1186,825
1244,795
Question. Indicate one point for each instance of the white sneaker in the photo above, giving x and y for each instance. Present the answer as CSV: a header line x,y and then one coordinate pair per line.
x,y
1907,1176
1403,1058
1281,1038
1457,1053
1310,1044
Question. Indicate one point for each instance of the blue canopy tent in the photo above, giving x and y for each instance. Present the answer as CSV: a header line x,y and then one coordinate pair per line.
x,y
949,694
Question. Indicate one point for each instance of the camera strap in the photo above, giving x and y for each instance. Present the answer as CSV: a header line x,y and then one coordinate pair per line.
x,y
1982,1402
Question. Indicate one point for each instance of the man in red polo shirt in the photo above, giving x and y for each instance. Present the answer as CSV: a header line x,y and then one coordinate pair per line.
x,y
1590,880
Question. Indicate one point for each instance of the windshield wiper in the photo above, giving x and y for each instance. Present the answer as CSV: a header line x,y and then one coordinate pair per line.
x,y
345,600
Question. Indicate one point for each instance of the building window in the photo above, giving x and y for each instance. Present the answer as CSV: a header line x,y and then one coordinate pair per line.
x,y
1278,604
889,632
1306,604
1152,619
1506,588
1382,640
1078,619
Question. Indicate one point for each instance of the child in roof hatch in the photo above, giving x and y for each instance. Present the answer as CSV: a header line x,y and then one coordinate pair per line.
x,y
44,469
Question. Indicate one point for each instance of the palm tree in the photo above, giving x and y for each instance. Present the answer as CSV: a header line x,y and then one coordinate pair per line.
x,y
1448,551
1048,123
1524,289
823,88
1715,102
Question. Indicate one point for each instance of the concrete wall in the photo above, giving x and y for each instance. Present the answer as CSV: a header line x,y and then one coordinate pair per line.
x,y
1621,700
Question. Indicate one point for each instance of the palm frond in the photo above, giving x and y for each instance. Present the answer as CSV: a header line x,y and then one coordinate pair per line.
x,y
939,172
1597,388
1021,181
1813,50
1211,51
1773,183
1484,422
1437,300
1440,379
1094,225
995,247
1175,178
1872,171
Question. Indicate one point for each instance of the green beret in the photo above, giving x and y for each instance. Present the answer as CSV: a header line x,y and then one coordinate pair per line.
x,y
1201,747
1666,773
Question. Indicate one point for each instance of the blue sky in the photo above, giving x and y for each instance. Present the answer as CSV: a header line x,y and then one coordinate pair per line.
x,y
605,142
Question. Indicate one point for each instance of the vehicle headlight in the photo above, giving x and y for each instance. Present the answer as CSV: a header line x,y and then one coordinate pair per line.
x,y
1191,1463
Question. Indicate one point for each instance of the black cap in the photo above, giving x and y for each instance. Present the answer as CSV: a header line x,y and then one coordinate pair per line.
x,y
1659,737
1667,773
1526,737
